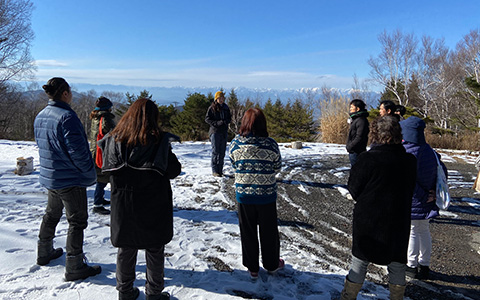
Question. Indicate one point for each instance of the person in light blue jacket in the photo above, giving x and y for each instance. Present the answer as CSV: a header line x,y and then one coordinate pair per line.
x,y
66,170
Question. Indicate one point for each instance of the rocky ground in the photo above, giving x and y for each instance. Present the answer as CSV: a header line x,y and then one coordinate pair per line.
x,y
312,202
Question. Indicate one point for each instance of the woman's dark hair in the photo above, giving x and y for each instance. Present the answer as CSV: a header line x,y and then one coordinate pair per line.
x,y
401,109
55,87
386,130
358,103
139,125
254,122
388,105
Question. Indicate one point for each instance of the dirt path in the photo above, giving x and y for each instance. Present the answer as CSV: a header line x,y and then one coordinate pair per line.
x,y
312,203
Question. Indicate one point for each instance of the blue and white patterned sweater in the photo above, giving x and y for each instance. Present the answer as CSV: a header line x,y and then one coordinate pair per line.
x,y
256,161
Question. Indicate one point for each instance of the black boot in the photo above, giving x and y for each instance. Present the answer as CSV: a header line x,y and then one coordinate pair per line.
x,y
46,252
129,295
161,296
423,272
76,268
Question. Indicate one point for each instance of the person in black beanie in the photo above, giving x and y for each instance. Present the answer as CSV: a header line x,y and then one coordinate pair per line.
x,y
101,114
358,134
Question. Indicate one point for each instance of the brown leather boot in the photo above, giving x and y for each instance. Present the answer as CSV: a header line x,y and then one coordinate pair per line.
x,y
396,291
350,290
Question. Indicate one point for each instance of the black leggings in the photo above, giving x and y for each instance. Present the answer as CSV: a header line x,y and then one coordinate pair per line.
x,y
265,216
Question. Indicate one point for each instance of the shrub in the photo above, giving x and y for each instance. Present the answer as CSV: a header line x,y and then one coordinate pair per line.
x,y
333,120
465,140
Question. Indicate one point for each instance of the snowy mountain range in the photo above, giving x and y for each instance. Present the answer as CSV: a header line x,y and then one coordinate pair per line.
x,y
176,95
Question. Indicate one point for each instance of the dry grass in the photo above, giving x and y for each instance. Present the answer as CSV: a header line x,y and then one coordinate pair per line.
x,y
333,121
467,140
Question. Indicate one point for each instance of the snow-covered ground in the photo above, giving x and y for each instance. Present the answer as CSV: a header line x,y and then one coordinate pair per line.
x,y
206,237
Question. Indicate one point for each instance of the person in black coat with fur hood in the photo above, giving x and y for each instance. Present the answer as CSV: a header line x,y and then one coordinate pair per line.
x,y
140,160
381,183
358,134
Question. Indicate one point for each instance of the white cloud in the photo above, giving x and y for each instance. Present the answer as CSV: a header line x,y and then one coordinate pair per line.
x,y
50,63
197,77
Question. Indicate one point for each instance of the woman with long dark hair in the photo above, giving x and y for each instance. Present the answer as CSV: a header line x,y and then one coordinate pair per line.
x,y
138,155
256,160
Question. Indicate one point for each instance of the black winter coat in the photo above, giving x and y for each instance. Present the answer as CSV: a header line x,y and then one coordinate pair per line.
x,y
141,200
382,183
218,117
358,134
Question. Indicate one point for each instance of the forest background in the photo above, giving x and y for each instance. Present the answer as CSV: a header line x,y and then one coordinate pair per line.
x,y
439,84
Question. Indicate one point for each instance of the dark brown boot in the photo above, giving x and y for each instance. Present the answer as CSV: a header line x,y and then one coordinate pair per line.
x,y
350,290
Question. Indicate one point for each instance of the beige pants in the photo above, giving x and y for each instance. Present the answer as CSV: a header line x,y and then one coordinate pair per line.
x,y
476,185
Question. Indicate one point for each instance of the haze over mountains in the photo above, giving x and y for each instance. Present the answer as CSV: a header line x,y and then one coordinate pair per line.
x,y
176,95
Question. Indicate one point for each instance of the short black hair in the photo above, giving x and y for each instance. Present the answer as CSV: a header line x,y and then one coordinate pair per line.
x,y
358,103
388,105
401,109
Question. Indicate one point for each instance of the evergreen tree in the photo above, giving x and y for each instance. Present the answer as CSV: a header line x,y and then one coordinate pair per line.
x,y
275,113
166,113
236,110
190,123
122,108
473,86
388,94
298,121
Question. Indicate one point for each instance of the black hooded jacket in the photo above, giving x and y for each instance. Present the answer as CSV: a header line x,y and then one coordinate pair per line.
x,y
358,134
142,208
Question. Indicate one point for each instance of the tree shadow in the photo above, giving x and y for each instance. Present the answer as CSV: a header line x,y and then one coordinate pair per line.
x,y
224,216
461,222
290,223
313,184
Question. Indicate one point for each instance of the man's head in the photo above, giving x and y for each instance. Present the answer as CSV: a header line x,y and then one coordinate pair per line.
x,y
356,105
387,107
58,88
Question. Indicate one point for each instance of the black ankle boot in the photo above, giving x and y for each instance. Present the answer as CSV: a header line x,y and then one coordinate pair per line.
x,y
77,268
46,252
129,295
423,273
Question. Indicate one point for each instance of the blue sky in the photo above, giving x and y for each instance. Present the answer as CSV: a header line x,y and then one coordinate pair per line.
x,y
256,44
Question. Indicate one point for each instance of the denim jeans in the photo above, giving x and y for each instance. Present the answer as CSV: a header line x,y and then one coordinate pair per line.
x,y
358,271
99,193
74,199
126,262
219,146
353,158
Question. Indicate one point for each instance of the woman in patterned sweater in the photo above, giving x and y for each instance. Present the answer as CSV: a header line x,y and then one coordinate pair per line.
x,y
256,160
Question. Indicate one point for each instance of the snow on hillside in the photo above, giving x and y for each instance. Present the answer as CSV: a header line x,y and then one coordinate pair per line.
x,y
206,239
